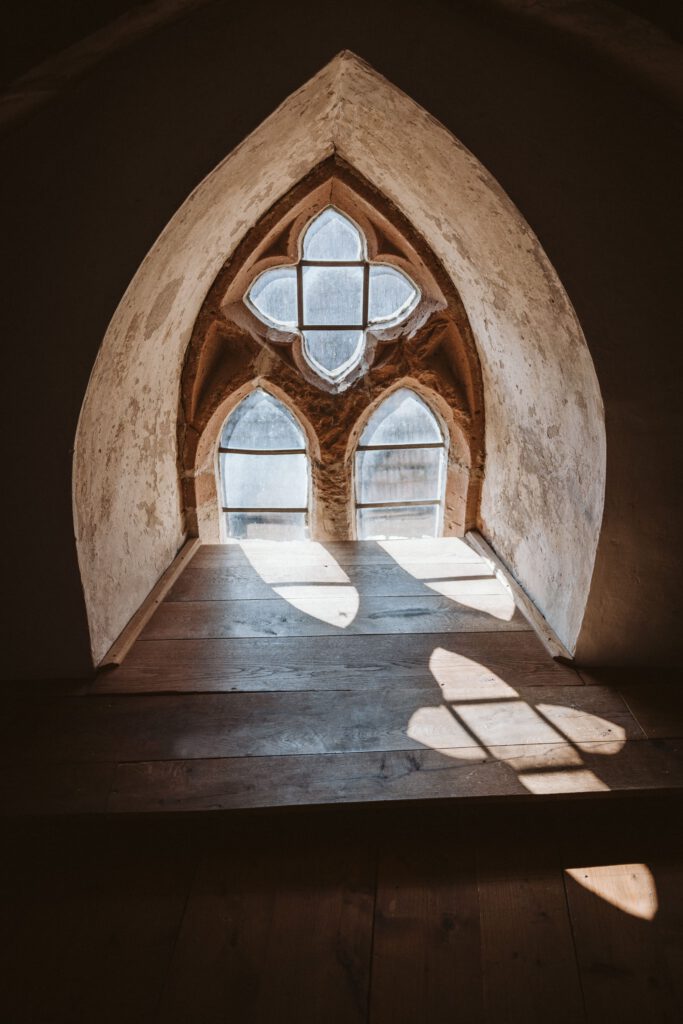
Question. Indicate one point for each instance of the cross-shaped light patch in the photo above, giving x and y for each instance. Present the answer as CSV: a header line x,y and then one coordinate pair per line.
x,y
333,296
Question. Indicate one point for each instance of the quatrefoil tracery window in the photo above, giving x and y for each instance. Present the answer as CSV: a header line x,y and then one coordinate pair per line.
x,y
333,296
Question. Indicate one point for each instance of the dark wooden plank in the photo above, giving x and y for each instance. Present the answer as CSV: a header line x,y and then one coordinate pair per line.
x,y
137,728
625,972
232,783
426,951
216,725
279,617
667,869
241,583
529,969
276,930
27,789
91,911
336,662
420,774
658,709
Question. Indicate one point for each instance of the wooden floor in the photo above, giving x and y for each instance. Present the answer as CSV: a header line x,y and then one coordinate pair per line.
x,y
423,817
278,675
538,912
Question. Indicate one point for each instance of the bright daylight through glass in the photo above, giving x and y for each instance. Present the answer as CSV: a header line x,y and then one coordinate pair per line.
x,y
400,471
263,472
333,296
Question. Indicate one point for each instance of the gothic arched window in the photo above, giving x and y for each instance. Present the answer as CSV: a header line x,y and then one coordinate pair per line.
x,y
333,296
263,471
400,470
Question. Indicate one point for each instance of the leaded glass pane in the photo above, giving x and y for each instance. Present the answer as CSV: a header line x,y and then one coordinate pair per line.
x,y
406,521
392,296
402,418
331,236
399,474
333,353
333,295
266,525
358,295
262,423
264,481
274,296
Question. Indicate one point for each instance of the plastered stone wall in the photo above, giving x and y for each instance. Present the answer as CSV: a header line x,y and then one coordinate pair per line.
x,y
545,472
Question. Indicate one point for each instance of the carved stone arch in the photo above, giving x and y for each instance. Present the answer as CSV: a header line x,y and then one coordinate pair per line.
x,y
200,473
542,494
229,345
461,492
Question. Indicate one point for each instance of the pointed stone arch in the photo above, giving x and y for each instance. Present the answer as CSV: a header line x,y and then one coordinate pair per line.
x,y
203,480
542,496
231,347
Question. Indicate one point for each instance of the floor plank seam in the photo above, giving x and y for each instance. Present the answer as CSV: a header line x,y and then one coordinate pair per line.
x,y
587,746
312,636
572,932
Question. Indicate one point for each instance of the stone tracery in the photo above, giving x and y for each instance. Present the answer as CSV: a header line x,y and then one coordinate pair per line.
x,y
332,297
245,340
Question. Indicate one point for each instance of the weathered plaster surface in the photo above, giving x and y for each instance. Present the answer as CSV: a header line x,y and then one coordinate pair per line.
x,y
544,485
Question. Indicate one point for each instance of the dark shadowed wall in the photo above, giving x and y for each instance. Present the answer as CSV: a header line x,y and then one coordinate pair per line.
x,y
585,145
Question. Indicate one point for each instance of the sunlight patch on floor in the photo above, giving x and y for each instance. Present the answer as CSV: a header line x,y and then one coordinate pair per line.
x,y
583,728
307,576
293,562
575,781
441,552
506,722
461,678
436,727
628,887
336,605
542,744
498,606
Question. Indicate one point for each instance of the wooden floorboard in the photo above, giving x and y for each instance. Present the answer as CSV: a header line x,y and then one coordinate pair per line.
x,y
426,957
242,584
527,945
140,728
287,936
658,709
387,776
449,551
55,788
359,685
625,971
94,916
488,913
336,662
375,615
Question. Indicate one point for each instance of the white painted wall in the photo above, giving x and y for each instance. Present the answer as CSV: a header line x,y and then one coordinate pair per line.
x,y
545,440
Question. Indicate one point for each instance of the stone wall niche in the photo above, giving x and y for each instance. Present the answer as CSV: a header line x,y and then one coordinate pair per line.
x,y
137,492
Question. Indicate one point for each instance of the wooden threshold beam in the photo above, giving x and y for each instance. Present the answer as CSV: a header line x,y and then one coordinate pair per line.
x,y
535,617
123,643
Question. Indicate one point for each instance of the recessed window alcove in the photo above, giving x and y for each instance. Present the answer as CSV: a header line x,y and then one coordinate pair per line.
x,y
491,346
